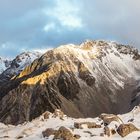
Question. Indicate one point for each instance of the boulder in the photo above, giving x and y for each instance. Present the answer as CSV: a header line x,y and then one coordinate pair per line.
x,y
77,136
87,124
58,113
108,131
48,132
46,115
125,129
64,133
108,118
77,125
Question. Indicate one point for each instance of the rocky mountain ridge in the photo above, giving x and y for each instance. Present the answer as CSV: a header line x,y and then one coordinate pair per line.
x,y
82,80
10,68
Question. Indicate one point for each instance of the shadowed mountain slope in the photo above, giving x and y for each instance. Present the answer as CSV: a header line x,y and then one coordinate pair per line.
x,y
82,80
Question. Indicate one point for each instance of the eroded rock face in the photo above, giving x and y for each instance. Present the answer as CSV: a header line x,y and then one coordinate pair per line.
x,y
125,129
83,81
85,75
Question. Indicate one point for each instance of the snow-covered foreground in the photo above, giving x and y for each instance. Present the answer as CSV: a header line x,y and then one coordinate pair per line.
x,y
33,130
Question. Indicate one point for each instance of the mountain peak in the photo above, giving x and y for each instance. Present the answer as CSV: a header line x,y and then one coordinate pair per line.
x,y
90,78
10,68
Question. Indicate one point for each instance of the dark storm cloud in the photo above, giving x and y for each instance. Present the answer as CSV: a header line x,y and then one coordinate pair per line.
x,y
38,24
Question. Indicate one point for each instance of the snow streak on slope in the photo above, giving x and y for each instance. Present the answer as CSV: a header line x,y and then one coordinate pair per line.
x,y
104,59
4,64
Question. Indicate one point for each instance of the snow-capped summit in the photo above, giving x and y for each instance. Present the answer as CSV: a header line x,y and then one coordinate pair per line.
x,y
15,66
82,80
4,64
24,59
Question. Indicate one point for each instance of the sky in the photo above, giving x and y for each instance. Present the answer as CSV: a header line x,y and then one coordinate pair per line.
x,y
38,25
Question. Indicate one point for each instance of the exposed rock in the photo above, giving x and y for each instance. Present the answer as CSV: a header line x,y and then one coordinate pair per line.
x,y
58,113
88,132
77,136
131,120
108,118
102,134
64,133
109,131
125,129
87,124
85,75
4,137
19,137
48,132
77,125
46,115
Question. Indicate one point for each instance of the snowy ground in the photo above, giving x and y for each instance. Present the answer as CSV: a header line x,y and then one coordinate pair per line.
x,y
33,130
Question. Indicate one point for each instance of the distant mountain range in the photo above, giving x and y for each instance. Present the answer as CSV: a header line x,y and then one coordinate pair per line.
x,y
4,64
82,80
10,68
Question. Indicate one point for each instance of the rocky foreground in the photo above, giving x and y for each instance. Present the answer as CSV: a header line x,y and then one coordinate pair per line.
x,y
57,126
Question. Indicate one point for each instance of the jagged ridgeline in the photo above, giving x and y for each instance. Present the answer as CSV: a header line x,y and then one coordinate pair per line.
x,y
82,80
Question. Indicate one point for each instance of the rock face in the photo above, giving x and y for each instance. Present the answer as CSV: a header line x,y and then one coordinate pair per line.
x,y
82,80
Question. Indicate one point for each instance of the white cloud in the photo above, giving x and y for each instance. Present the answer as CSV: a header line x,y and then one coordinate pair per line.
x,y
111,19
3,45
42,50
32,24
66,12
49,26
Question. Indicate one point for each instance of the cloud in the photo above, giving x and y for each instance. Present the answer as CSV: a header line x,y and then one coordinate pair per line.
x,y
39,24
66,13
117,20
9,50
49,26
